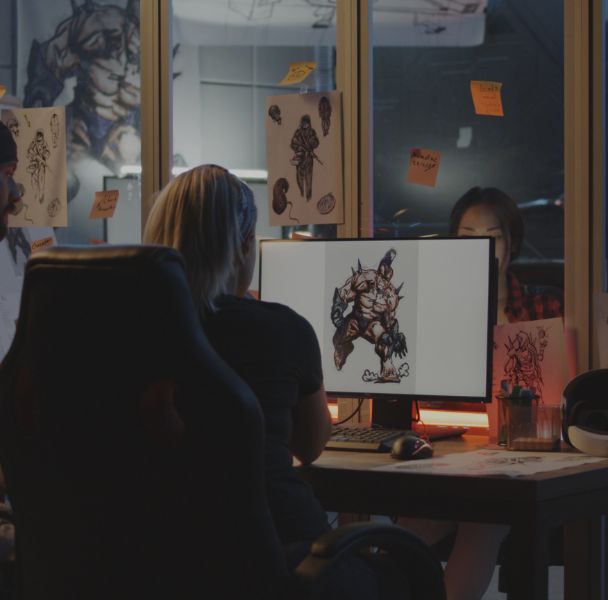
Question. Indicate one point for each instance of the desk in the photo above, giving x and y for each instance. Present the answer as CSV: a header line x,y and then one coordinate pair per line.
x,y
576,497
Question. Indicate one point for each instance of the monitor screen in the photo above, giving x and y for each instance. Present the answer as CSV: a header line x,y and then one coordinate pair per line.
x,y
401,317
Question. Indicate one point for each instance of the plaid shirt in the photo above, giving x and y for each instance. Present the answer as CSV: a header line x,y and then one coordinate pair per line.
x,y
532,302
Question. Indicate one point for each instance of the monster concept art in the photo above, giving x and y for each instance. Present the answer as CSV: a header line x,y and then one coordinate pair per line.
x,y
99,46
373,317
525,353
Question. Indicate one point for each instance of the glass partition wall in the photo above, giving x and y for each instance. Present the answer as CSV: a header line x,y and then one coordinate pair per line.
x,y
219,61
228,58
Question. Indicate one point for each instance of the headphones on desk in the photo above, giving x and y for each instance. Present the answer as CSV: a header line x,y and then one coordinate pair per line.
x,y
584,408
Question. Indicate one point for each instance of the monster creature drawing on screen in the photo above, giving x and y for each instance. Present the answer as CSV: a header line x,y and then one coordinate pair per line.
x,y
303,143
98,45
373,317
525,353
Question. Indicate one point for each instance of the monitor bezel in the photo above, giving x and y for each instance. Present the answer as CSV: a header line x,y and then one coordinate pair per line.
x,y
492,312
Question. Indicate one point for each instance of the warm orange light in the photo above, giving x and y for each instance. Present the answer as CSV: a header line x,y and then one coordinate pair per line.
x,y
448,417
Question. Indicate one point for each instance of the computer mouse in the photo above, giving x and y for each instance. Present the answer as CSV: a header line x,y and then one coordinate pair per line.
x,y
411,447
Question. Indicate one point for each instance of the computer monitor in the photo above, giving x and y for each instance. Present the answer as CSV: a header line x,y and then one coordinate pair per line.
x,y
395,318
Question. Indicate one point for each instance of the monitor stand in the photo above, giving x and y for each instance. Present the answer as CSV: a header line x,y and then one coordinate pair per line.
x,y
395,413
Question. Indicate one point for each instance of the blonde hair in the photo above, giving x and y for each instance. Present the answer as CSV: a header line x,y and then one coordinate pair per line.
x,y
198,214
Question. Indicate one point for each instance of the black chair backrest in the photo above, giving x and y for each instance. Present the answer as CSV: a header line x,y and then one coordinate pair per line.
x,y
113,418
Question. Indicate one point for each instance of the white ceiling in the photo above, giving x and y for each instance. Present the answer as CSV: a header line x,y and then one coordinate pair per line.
x,y
312,22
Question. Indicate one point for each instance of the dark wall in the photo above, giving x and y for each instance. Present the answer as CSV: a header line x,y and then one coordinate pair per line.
x,y
422,99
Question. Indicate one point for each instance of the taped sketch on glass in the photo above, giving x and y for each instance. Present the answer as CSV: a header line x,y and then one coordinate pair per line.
x,y
373,300
41,174
304,147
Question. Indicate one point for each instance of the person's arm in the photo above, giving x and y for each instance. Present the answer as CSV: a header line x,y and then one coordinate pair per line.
x,y
311,426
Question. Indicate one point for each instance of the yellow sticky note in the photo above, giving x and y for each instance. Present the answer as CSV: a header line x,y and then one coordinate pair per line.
x,y
104,204
2,90
486,98
298,72
424,166
42,243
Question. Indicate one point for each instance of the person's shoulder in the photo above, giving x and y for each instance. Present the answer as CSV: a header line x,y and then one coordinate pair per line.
x,y
260,310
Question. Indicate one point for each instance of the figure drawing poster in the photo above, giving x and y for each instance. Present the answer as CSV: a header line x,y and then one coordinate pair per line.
x,y
304,157
371,327
41,173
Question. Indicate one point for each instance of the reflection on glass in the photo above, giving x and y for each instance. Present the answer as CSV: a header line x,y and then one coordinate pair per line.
x,y
229,57
424,59
85,56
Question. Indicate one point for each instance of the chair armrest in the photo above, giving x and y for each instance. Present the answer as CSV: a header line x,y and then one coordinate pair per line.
x,y
410,555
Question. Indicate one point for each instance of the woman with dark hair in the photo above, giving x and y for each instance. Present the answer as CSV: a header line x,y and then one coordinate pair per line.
x,y
491,212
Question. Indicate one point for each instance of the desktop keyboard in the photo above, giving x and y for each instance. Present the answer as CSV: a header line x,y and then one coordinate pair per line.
x,y
379,439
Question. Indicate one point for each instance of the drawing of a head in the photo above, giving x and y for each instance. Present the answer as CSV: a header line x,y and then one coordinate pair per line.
x,y
384,268
13,126
274,112
39,135
305,122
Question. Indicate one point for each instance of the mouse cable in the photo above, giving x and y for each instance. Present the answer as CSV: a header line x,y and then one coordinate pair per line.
x,y
353,414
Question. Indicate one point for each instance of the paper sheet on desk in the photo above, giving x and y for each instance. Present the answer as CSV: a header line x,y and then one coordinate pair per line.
x,y
493,462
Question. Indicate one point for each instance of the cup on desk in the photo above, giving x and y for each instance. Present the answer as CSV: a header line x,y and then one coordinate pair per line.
x,y
531,425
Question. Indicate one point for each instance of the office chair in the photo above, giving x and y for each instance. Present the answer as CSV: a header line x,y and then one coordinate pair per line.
x,y
113,417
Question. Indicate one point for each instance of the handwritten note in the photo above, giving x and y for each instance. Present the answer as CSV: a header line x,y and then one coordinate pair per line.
x,y
2,90
424,166
486,98
104,204
42,243
298,72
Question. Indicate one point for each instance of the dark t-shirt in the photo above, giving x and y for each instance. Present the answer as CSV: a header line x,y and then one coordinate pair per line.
x,y
276,352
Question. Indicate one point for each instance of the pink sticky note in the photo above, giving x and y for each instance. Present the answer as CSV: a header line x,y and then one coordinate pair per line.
x,y
104,205
423,166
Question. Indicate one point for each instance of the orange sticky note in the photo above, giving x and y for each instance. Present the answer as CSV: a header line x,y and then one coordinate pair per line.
x,y
2,90
424,166
298,72
96,242
42,243
486,98
104,204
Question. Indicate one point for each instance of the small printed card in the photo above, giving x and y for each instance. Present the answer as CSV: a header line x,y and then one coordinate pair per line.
x,y
424,166
298,72
487,98
104,205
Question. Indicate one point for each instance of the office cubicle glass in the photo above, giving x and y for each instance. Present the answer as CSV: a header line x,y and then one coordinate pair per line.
x,y
83,56
425,57
229,56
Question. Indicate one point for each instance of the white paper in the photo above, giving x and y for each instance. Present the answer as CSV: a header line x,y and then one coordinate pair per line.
x,y
493,462
40,136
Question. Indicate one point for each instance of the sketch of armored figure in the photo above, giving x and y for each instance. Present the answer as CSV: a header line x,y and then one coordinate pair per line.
x,y
373,317
37,156
303,143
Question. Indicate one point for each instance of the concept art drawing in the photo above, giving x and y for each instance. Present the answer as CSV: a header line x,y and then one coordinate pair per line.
x,y
525,353
279,197
373,317
54,125
37,156
274,112
303,143
325,114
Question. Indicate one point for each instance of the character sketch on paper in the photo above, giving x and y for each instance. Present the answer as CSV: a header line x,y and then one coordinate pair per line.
x,y
525,354
54,126
98,45
373,317
37,156
325,114
274,112
303,143
326,203
279,198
